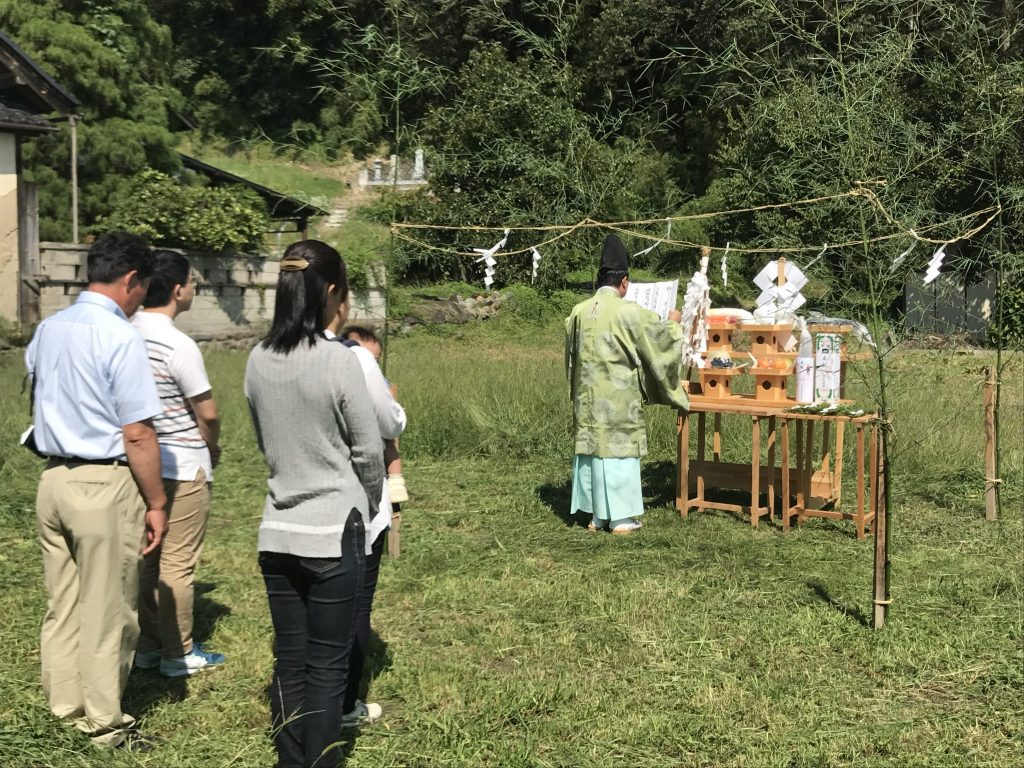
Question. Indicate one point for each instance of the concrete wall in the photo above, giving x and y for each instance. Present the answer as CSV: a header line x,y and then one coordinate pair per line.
x,y
234,294
8,227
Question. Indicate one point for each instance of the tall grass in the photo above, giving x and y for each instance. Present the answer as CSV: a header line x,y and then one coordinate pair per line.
x,y
509,637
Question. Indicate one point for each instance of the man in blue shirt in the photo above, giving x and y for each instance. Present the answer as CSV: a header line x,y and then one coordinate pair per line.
x,y
100,503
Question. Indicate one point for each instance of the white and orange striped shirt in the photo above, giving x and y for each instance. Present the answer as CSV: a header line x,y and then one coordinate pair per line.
x,y
180,374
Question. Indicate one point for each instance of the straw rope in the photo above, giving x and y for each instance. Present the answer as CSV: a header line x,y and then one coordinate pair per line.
x,y
863,190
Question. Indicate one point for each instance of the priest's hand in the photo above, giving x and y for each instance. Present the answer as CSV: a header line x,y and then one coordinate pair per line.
x,y
675,316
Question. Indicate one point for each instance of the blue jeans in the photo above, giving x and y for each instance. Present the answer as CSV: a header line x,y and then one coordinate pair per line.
x,y
313,605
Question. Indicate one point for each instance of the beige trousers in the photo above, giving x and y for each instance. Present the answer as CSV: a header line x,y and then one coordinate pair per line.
x,y
166,583
91,522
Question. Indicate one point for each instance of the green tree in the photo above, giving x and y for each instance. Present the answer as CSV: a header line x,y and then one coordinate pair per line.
x,y
113,57
514,148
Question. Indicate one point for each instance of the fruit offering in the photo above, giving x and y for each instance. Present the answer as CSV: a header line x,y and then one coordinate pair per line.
x,y
721,362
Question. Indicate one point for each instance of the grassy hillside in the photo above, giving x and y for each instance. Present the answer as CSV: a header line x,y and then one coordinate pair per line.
x,y
299,174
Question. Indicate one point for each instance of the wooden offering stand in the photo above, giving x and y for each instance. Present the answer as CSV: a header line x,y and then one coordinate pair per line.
x,y
720,339
767,340
770,384
717,382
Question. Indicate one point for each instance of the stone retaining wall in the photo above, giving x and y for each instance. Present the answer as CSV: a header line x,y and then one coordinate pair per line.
x,y
234,294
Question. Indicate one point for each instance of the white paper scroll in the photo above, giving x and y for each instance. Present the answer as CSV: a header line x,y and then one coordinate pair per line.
x,y
657,297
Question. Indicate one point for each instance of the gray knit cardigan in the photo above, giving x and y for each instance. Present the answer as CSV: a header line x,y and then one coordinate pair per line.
x,y
316,427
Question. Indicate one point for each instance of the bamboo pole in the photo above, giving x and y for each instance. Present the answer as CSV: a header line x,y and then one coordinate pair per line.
x,y
881,527
991,481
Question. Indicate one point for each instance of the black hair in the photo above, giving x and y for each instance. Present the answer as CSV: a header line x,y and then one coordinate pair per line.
x,y
610,277
361,333
115,254
302,295
170,269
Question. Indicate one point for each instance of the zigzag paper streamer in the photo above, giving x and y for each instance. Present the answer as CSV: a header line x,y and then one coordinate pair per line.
x,y
648,249
935,265
536,263
488,259
903,256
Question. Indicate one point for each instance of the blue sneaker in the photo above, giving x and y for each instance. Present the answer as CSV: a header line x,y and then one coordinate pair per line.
x,y
194,661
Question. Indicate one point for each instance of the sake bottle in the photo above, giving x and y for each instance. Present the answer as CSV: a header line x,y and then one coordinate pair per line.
x,y
805,366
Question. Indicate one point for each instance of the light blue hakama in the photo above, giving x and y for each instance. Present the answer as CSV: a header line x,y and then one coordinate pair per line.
x,y
608,489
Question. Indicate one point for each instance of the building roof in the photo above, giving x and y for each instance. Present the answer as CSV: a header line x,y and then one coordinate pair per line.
x,y
18,121
280,205
26,85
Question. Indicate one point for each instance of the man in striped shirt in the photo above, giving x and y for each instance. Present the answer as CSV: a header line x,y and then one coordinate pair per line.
x,y
188,432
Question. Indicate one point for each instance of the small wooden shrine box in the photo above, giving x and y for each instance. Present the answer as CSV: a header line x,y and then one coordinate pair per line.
x,y
720,340
770,384
717,382
766,340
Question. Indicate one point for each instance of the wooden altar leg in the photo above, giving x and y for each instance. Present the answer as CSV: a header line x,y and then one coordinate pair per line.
x,y
772,435
808,469
801,501
683,470
701,446
860,481
755,474
716,443
837,477
785,474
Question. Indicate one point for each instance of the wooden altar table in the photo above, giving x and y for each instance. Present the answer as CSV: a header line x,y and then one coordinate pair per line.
x,y
803,490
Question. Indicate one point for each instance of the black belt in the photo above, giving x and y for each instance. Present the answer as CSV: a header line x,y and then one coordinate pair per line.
x,y
74,461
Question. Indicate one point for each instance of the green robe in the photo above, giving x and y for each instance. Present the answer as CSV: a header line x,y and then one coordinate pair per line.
x,y
619,356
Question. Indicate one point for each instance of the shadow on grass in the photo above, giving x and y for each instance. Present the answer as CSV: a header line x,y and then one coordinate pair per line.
x,y
659,481
206,612
148,688
557,497
821,592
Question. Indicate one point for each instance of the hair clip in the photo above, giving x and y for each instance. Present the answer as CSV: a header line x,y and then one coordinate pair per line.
x,y
293,264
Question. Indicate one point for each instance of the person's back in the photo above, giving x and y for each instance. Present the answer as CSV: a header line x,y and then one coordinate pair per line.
x,y
100,499
316,427
188,431
297,400
618,356
73,355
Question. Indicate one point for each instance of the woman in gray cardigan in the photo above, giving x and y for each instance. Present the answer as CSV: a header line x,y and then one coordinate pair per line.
x,y
317,429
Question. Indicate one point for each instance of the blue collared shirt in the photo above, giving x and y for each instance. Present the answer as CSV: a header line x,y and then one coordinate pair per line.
x,y
92,377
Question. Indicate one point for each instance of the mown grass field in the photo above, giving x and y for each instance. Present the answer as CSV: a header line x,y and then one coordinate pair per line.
x,y
509,636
